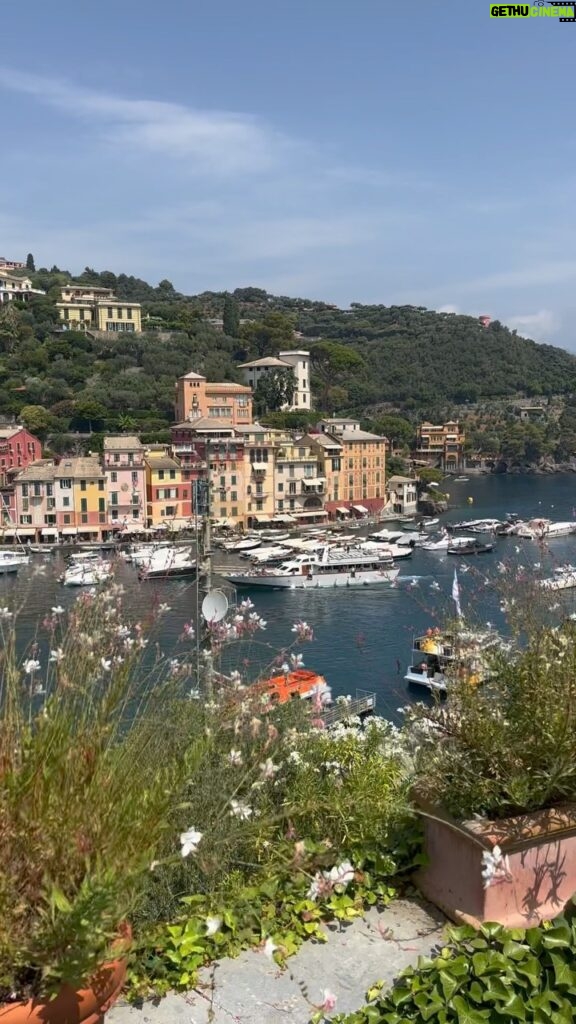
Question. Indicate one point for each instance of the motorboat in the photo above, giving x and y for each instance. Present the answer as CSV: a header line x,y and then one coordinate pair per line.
x,y
440,657
394,551
395,537
445,541
461,479
139,553
86,574
326,567
476,525
245,544
428,523
168,563
11,561
564,578
472,547
274,535
544,529
267,555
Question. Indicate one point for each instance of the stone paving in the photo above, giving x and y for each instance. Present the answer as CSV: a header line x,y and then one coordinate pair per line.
x,y
253,990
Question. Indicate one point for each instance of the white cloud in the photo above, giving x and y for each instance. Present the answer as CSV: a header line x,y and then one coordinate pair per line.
x,y
538,325
216,140
448,308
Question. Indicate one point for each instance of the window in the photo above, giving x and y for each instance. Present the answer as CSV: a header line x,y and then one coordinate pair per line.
x,y
129,313
113,477
49,490
65,484
119,313
101,505
259,489
172,474
50,520
222,481
84,517
234,496
336,464
116,457
66,502
83,505
233,479
171,510
110,312
37,490
292,504
134,478
82,485
51,502
25,504
292,488
160,474
66,519
259,506
101,517
234,511
280,506
114,498
100,485
26,520
350,463
24,490
280,487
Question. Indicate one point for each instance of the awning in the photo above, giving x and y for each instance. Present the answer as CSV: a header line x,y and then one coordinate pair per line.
x,y
282,518
362,509
314,480
343,511
258,466
49,531
310,512
86,528
25,531
8,533
134,528
261,517
69,531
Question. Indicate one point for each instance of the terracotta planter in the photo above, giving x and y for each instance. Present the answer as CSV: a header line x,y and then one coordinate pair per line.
x,y
541,858
73,1006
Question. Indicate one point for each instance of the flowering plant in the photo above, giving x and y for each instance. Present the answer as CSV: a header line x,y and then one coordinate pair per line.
x,y
95,744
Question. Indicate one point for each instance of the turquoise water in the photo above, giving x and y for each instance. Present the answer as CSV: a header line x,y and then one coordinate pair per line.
x,y
360,634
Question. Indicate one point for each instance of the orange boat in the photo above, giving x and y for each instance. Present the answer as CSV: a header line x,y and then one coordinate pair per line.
x,y
302,684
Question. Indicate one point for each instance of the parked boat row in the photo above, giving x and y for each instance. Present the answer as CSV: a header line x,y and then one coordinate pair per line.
x,y
327,566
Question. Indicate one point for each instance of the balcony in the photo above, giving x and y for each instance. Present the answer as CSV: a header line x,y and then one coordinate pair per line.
x,y
314,485
259,468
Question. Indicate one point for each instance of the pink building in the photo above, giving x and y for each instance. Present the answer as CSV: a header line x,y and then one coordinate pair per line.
x,y
34,501
18,448
125,480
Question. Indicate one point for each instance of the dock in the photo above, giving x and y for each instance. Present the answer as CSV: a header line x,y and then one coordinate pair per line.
x,y
363,705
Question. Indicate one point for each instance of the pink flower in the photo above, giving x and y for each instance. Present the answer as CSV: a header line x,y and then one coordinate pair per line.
x,y
328,1001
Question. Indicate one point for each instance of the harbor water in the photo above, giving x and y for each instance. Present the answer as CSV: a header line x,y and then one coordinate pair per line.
x,y
363,635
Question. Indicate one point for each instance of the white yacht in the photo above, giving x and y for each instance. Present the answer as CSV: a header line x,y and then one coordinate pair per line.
x,y
168,563
438,658
544,529
86,574
327,567
564,578
445,541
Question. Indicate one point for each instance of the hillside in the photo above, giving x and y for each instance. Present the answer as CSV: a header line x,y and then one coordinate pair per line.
x,y
409,358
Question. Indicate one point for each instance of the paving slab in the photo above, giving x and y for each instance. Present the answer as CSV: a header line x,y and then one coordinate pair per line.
x,y
253,990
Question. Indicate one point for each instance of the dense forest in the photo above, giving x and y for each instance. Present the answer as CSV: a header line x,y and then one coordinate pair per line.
x,y
376,362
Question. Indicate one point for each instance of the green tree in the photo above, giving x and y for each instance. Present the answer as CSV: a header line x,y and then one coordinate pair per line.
x,y
37,419
30,265
88,414
333,363
231,317
274,389
266,337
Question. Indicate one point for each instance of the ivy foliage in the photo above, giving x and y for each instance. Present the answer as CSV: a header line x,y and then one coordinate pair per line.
x,y
494,975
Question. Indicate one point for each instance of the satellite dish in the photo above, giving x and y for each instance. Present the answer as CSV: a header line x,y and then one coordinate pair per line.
x,y
214,606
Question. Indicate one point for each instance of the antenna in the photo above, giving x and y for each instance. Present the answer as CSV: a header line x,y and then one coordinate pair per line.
x,y
214,606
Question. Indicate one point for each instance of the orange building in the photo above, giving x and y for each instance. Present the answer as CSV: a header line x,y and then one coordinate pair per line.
x,y
197,398
441,446
358,485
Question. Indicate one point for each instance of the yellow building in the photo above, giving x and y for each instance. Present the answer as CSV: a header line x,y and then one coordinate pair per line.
x,y
83,307
360,488
299,481
259,449
80,495
167,495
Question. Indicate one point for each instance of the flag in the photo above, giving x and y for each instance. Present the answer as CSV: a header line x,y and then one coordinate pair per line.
x,y
456,595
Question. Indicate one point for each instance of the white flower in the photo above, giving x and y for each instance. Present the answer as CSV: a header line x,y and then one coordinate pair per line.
x,y
295,757
269,948
106,664
189,841
285,668
57,655
235,757
213,925
58,610
240,810
31,666
5,613
297,661
246,605
495,866
269,769
342,873
163,608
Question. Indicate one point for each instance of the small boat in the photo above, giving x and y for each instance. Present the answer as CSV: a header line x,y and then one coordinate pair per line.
x,y
274,535
393,551
544,529
444,542
303,683
268,555
11,561
461,479
324,567
441,657
472,547
428,523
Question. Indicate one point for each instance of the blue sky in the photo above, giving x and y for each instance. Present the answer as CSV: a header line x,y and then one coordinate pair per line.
x,y
370,151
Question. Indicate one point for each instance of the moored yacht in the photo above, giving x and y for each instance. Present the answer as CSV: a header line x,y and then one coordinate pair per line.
x,y
326,567
439,657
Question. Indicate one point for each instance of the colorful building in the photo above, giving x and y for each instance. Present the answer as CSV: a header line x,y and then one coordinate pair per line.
x,y
80,493
402,494
441,446
18,449
167,494
197,398
84,307
125,473
361,487
299,482
35,505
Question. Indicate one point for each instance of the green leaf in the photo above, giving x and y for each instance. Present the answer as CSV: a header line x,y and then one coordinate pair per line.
x,y
495,990
449,984
514,950
468,1014
480,962
514,1007
530,968
563,974
560,936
